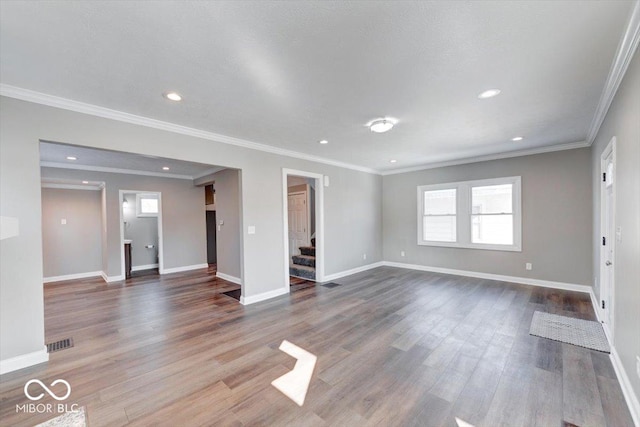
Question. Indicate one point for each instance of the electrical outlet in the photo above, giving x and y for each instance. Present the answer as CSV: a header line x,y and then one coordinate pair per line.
x,y
63,221
364,256
401,253
638,366
528,266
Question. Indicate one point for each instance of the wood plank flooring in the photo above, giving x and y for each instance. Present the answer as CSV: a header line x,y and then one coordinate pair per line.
x,y
395,348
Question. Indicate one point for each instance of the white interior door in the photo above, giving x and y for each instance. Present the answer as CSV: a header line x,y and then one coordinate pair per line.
x,y
607,267
298,222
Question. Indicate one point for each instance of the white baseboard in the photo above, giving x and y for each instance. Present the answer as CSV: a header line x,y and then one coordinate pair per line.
x,y
184,268
334,276
263,296
111,279
143,267
229,278
625,384
23,361
62,278
499,277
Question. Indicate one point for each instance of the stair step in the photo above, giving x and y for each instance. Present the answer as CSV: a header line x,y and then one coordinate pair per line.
x,y
302,271
308,250
308,260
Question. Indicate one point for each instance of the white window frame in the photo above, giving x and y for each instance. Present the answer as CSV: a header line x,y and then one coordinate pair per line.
x,y
139,197
464,213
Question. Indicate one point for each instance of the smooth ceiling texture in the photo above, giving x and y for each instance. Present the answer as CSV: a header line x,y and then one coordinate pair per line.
x,y
288,74
52,154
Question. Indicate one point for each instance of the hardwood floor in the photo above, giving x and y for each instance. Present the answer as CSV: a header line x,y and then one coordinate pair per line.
x,y
394,347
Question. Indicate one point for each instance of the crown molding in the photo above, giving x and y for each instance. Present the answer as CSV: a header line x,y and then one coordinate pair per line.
x,y
498,156
107,113
626,50
112,170
208,172
70,186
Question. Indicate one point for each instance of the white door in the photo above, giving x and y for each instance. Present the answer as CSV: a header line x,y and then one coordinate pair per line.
x,y
607,267
298,222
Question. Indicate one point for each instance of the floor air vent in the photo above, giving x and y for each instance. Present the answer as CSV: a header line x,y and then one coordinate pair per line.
x,y
331,285
60,345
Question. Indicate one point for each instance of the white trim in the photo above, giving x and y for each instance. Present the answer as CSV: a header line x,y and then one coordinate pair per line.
x,y
143,267
111,279
625,383
94,110
464,213
52,279
609,295
488,157
209,172
319,205
229,278
184,268
360,269
112,170
121,194
264,296
71,186
24,361
491,276
626,49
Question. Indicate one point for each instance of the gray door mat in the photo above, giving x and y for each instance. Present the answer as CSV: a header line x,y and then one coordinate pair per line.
x,y
583,333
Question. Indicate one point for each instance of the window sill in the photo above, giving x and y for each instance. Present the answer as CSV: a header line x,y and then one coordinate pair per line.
x,y
504,248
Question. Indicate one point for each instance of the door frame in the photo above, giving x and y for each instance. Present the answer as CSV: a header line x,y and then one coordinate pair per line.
x,y
607,294
319,211
121,194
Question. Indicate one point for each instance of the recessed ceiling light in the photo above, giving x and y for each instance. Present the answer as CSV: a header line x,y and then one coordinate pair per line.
x,y
392,161
324,141
489,93
71,158
85,182
381,125
165,168
173,96
517,138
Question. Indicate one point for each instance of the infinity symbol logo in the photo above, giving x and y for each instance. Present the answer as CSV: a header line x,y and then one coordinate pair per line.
x,y
52,394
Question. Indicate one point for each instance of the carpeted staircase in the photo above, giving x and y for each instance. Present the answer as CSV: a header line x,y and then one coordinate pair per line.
x,y
304,265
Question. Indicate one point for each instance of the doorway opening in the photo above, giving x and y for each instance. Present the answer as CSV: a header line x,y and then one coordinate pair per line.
x,y
303,201
210,212
141,232
609,236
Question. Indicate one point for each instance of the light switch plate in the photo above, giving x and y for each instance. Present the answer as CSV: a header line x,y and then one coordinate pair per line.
x,y
251,229
63,221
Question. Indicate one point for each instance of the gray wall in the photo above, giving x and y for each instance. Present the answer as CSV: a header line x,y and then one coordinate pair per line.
x,y
623,122
556,218
353,219
183,217
227,185
75,247
142,231
21,290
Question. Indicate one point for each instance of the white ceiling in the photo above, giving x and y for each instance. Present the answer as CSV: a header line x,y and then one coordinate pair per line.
x,y
288,74
55,155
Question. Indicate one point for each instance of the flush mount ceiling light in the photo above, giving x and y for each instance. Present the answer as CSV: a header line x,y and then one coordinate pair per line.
x,y
381,125
489,93
165,168
324,141
172,96
72,158
392,161
517,138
